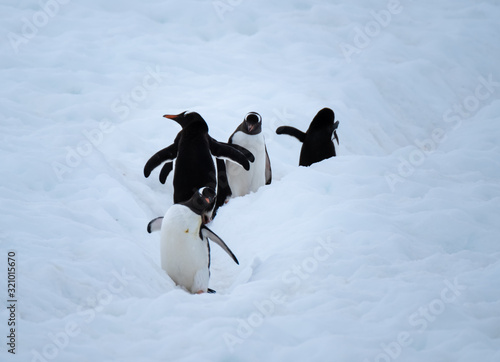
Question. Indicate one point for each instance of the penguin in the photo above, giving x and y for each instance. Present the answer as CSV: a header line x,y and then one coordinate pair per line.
x,y
194,149
249,135
317,143
185,247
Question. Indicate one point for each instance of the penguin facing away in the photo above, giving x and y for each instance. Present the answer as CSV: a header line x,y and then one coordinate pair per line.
x,y
194,149
185,248
249,135
317,143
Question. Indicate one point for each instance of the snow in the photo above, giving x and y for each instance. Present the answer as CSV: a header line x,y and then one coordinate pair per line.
x,y
387,252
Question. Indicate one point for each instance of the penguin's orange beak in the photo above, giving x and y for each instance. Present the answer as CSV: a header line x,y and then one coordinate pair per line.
x,y
175,116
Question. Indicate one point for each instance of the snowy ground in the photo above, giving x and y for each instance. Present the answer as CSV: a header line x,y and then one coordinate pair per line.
x,y
387,252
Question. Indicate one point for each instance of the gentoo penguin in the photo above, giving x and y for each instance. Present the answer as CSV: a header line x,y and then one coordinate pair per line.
x,y
249,135
317,143
185,250
193,149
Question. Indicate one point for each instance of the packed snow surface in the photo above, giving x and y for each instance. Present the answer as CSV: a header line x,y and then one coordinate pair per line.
x,y
389,251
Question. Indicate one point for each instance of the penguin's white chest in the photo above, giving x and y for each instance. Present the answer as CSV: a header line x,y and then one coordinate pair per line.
x,y
241,181
184,255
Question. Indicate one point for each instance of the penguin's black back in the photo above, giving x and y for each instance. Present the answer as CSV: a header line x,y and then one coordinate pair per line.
x,y
194,167
318,144
316,147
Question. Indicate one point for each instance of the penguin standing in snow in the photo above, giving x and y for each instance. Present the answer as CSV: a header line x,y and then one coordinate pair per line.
x,y
185,249
249,135
317,143
194,149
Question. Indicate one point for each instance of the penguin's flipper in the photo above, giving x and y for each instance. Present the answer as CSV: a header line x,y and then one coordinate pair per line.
x,y
291,131
249,155
223,150
223,189
165,171
207,233
336,137
155,224
269,175
167,154
335,126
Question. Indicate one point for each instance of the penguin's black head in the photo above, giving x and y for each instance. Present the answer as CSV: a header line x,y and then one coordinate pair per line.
x,y
324,120
206,197
202,202
188,119
252,123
